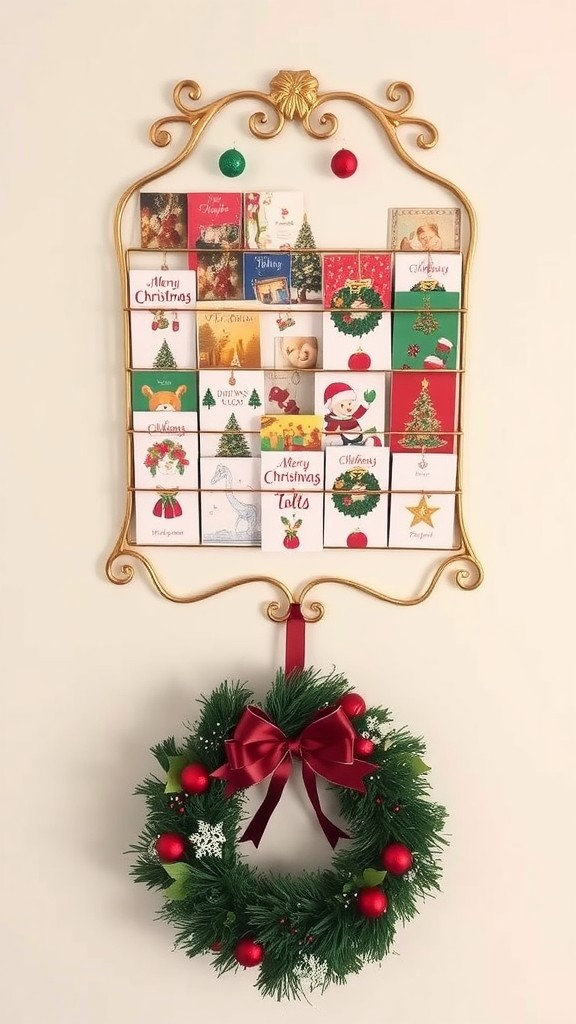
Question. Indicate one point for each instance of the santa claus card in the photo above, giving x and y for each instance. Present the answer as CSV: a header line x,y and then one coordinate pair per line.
x,y
426,330
289,392
230,501
355,513
231,404
167,515
164,401
162,289
357,331
272,220
428,271
423,412
214,222
291,339
352,406
228,339
163,340
292,518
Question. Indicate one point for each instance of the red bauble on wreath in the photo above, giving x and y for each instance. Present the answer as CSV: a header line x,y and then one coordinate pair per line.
x,y
353,704
372,901
170,846
396,858
344,163
363,746
195,778
249,953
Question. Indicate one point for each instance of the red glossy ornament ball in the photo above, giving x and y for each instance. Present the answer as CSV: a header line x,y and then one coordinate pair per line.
x,y
372,902
396,858
363,747
353,704
170,846
249,953
195,778
344,163
359,360
357,539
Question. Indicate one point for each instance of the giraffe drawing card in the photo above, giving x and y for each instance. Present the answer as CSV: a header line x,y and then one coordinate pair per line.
x,y
428,271
356,331
355,514
272,220
422,520
162,289
352,406
228,339
292,519
267,277
423,412
231,403
163,340
288,392
164,401
167,517
230,501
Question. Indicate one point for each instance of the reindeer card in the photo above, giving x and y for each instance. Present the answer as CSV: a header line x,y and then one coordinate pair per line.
x,y
167,517
288,392
272,220
291,339
164,401
230,501
231,404
357,288
228,339
162,289
352,406
355,514
292,518
163,340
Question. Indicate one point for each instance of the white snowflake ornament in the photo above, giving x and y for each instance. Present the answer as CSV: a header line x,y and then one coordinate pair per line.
x,y
312,970
208,840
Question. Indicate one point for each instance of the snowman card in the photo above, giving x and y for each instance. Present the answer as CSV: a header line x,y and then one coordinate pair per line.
x,y
352,406
162,289
356,332
291,339
163,340
230,501
231,403
289,392
423,412
272,220
164,401
167,516
355,514
292,518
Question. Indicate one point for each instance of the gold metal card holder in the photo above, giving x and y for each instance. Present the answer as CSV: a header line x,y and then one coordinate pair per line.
x,y
293,96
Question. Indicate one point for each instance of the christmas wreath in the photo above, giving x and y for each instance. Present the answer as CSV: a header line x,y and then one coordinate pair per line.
x,y
357,305
352,499
303,931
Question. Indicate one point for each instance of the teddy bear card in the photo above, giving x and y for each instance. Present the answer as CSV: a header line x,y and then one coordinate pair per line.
x,y
352,406
355,513
231,404
357,291
230,501
214,222
163,339
291,458
267,277
164,401
228,338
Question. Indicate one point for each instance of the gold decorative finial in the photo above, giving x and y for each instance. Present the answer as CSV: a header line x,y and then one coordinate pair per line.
x,y
294,93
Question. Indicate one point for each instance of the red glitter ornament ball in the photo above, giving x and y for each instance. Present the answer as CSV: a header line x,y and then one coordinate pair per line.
x,y
372,901
195,778
353,704
249,953
344,163
363,747
170,846
396,858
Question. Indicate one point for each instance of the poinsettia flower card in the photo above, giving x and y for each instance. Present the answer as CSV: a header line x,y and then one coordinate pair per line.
x,y
291,339
267,277
163,218
228,339
288,392
162,289
292,518
272,220
423,412
357,289
352,406
428,271
164,401
214,222
355,514
165,461
163,340
230,501
167,517
231,403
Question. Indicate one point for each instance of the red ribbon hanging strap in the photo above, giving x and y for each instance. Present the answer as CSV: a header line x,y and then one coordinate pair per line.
x,y
295,640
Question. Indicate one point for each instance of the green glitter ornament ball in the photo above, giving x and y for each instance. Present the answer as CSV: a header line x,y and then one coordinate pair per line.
x,y
231,163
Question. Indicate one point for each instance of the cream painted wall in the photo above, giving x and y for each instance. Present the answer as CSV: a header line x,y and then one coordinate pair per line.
x,y
94,674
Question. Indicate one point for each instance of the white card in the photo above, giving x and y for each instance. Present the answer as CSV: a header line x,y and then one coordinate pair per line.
x,y
272,220
352,517
167,517
292,519
417,470
371,351
162,289
422,520
288,392
230,501
165,461
352,406
291,340
163,340
230,401
442,268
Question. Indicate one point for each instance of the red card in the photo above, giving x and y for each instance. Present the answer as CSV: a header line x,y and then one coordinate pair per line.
x,y
375,268
214,222
423,412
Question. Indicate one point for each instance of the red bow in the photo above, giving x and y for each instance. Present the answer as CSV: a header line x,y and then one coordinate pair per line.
x,y
259,749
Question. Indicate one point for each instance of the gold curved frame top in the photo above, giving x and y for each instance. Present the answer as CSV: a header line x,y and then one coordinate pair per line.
x,y
293,96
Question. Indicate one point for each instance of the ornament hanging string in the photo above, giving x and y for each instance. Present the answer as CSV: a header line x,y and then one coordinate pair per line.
x,y
295,655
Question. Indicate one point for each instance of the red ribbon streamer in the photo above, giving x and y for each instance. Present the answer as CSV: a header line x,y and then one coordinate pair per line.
x,y
295,640
259,749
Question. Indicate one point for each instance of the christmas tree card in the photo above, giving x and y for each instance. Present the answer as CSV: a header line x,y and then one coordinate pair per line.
x,y
272,220
423,412
214,222
167,517
292,519
306,280
163,340
165,461
291,340
424,336
163,220
228,339
421,519
357,289
427,231
291,433
231,404
164,401
220,276
289,392
352,406
267,277
230,501
162,289
428,272
355,515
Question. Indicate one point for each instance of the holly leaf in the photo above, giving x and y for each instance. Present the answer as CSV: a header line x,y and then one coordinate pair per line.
x,y
175,765
417,765
371,877
284,521
176,891
369,397
180,872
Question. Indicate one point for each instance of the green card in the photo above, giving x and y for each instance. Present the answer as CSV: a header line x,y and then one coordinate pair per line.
x,y
426,338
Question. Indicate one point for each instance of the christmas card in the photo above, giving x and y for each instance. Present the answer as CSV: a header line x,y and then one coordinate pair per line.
x,y
306,280
356,332
423,412
425,337
352,406
228,339
421,520
164,401
230,501
163,340
231,404
163,220
428,272
220,276
272,220
287,391
292,519
414,471
354,516
165,461
214,222
267,277
167,517
162,289
424,230
291,340
291,433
